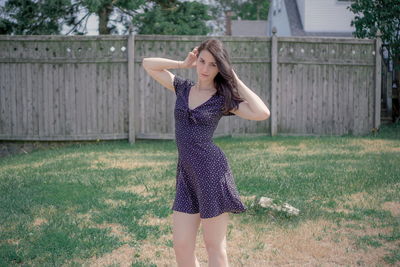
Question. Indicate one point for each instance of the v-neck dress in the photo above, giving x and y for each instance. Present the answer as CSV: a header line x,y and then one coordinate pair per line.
x,y
204,180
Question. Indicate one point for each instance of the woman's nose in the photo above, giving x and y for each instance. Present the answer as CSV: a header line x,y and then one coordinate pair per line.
x,y
206,69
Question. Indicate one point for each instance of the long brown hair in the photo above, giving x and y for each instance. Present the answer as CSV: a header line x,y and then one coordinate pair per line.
x,y
224,81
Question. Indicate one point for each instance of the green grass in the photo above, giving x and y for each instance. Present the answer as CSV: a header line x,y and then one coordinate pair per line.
x,y
69,189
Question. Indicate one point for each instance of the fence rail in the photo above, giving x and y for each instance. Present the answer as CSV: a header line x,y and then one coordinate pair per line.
x,y
94,87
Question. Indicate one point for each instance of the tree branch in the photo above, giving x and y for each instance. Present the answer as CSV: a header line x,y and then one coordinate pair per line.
x,y
77,24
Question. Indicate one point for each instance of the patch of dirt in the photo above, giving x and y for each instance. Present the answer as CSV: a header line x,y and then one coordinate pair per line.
x,y
116,230
39,221
123,256
149,220
393,207
312,243
115,203
367,146
137,189
128,164
373,146
12,241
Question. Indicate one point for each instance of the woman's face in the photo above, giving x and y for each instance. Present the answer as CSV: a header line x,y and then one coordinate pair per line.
x,y
206,66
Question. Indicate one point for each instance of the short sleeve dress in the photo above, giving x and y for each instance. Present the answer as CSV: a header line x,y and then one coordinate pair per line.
x,y
204,180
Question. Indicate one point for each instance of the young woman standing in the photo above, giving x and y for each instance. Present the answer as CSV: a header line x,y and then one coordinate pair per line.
x,y
205,187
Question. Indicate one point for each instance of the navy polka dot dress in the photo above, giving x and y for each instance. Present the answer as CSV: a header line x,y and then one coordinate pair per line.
x,y
204,181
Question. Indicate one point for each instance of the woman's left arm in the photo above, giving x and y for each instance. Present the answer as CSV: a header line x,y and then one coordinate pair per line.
x,y
253,108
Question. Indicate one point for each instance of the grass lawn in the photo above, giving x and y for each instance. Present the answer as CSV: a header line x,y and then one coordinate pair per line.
x,y
109,203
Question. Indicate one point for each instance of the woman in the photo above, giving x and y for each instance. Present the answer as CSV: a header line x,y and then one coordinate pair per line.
x,y
205,187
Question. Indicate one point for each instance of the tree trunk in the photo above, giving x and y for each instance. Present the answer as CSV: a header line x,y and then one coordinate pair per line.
x,y
104,14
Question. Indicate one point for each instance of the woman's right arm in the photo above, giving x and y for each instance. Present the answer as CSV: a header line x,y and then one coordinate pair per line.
x,y
158,68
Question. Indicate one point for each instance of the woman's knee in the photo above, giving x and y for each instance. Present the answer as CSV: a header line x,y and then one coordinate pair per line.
x,y
215,246
214,233
186,245
184,231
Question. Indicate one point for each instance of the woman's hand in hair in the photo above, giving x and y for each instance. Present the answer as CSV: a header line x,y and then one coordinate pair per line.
x,y
190,61
253,108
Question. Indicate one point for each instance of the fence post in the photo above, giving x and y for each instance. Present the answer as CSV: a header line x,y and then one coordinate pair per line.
x,y
274,71
131,88
378,78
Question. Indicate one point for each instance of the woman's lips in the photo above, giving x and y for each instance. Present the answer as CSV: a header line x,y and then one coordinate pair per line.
x,y
204,75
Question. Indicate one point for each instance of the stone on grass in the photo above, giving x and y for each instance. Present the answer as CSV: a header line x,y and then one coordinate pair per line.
x,y
267,202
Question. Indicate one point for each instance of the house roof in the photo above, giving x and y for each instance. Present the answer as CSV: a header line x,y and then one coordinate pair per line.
x,y
296,26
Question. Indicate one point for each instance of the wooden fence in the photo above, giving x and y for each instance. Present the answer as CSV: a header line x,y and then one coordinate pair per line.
x,y
93,87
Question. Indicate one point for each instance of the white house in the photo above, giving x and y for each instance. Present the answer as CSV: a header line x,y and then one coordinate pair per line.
x,y
310,17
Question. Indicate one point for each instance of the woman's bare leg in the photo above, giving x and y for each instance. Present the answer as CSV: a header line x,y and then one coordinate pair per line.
x,y
185,227
214,234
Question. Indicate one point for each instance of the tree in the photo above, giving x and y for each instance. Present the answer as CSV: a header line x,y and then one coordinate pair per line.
x,y
48,16
174,17
32,17
374,15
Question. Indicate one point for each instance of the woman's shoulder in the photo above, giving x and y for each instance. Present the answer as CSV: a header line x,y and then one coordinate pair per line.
x,y
181,83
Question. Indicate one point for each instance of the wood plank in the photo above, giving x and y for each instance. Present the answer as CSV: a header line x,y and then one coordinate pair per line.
x,y
74,100
86,126
67,98
102,99
109,99
3,95
119,82
293,96
275,105
343,101
29,86
321,99
46,100
19,100
80,98
371,85
143,114
303,100
307,81
314,100
350,109
56,100
357,101
93,98
365,101
378,78
329,101
86,93
24,108
342,90
52,96
4,99
114,93
335,101
9,97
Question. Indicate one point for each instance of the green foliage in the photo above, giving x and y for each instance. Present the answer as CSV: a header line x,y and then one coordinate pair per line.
x,y
32,17
374,15
184,18
49,16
